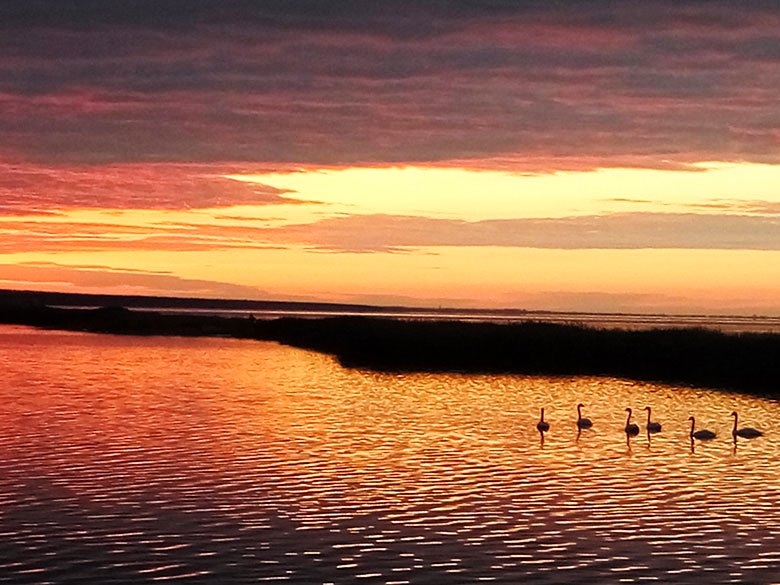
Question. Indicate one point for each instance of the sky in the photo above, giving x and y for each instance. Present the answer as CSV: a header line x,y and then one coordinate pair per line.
x,y
587,156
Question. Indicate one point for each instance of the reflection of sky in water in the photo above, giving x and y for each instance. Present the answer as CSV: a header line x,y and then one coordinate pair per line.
x,y
167,458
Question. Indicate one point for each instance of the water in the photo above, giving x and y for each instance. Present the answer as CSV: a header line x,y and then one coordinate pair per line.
x,y
128,460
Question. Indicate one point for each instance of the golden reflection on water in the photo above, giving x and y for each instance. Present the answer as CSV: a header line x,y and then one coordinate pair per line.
x,y
194,459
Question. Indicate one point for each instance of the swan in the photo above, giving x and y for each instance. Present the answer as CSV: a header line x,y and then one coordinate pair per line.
x,y
702,434
542,425
744,432
652,427
583,423
631,428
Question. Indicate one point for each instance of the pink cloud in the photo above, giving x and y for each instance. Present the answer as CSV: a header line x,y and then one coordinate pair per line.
x,y
741,226
104,279
31,236
34,188
386,233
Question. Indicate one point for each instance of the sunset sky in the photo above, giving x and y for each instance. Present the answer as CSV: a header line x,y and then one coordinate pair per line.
x,y
598,156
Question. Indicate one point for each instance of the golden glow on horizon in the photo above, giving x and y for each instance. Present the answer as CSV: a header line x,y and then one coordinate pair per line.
x,y
231,252
472,276
474,195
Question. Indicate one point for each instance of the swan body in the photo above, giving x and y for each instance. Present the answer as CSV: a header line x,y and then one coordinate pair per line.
x,y
542,425
744,432
652,426
631,428
582,423
701,434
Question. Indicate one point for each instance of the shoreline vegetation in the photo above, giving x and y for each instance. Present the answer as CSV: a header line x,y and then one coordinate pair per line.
x,y
743,362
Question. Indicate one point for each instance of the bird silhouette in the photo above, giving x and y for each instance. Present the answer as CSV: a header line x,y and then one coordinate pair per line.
x,y
652,426
582,423
744,432
542,425
702,434
631,428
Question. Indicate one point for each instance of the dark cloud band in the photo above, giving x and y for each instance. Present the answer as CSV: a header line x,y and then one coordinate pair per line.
x,y
373,83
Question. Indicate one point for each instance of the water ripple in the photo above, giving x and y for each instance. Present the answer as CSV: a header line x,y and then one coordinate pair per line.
x,y
191,460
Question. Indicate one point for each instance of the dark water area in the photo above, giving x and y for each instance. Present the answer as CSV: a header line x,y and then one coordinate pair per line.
x,y
203,460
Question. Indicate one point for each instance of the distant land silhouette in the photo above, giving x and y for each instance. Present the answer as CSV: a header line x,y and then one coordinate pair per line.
x,y
84,300
746,362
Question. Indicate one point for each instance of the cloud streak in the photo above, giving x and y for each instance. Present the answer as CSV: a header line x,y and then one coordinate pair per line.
x,y
29,188
383,233
104,279
405,82
405,234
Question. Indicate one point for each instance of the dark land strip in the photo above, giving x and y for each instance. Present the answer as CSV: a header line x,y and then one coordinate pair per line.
x,y
745,362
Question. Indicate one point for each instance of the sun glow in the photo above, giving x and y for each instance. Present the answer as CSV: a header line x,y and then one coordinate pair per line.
x,y
412,235
474,195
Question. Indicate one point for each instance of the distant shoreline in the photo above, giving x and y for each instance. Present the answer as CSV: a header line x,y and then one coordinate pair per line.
x,y
86,300
743,362
274,308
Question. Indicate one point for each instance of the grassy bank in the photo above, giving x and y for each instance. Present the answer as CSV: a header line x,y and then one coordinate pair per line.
x,y
748,362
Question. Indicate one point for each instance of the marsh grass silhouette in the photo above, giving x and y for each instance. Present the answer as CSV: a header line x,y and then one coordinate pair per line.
x,y
748,362
700,357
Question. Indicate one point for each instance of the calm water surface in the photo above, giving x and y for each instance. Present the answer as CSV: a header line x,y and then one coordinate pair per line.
x,y
211,460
